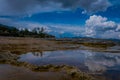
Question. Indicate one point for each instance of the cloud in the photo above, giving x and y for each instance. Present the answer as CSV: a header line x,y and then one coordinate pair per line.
x,y
59,30
25,7
98,26
65,30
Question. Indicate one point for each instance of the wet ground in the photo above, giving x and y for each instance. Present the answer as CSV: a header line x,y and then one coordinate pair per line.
x,y
8,72
104,65
40,59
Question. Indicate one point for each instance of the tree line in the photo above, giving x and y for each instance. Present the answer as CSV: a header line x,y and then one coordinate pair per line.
x,y
14,32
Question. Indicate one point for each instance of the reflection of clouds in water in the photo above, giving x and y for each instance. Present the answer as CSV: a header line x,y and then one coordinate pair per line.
x,y
101,61
87,54
93,61
94,67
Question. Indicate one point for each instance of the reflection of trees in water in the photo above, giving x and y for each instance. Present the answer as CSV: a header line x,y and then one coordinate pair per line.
x,y
38,53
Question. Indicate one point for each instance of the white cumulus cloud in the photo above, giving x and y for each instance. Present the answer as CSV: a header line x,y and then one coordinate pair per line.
x,y
98,26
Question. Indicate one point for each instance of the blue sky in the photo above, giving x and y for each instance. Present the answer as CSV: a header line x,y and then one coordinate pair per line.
x,y
66,18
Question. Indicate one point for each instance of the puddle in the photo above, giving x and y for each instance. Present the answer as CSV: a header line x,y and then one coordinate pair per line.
x,y
93,61
102,63
72,58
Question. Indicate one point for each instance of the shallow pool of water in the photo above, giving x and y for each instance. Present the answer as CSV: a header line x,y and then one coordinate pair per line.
x,y
83,59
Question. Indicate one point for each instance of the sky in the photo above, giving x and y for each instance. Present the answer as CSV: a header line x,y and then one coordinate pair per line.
x,y
64,18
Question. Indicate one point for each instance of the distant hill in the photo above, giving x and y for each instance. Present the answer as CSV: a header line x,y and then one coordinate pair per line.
x,y
14,32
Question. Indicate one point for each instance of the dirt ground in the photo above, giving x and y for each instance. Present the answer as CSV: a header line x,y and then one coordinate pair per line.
x,y
23,45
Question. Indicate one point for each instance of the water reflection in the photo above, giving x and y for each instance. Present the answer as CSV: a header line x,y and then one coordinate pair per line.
x,y
37,54
83,59
103,61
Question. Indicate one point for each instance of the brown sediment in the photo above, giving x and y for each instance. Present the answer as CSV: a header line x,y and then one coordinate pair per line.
x,y
23,45
10,72
19,45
